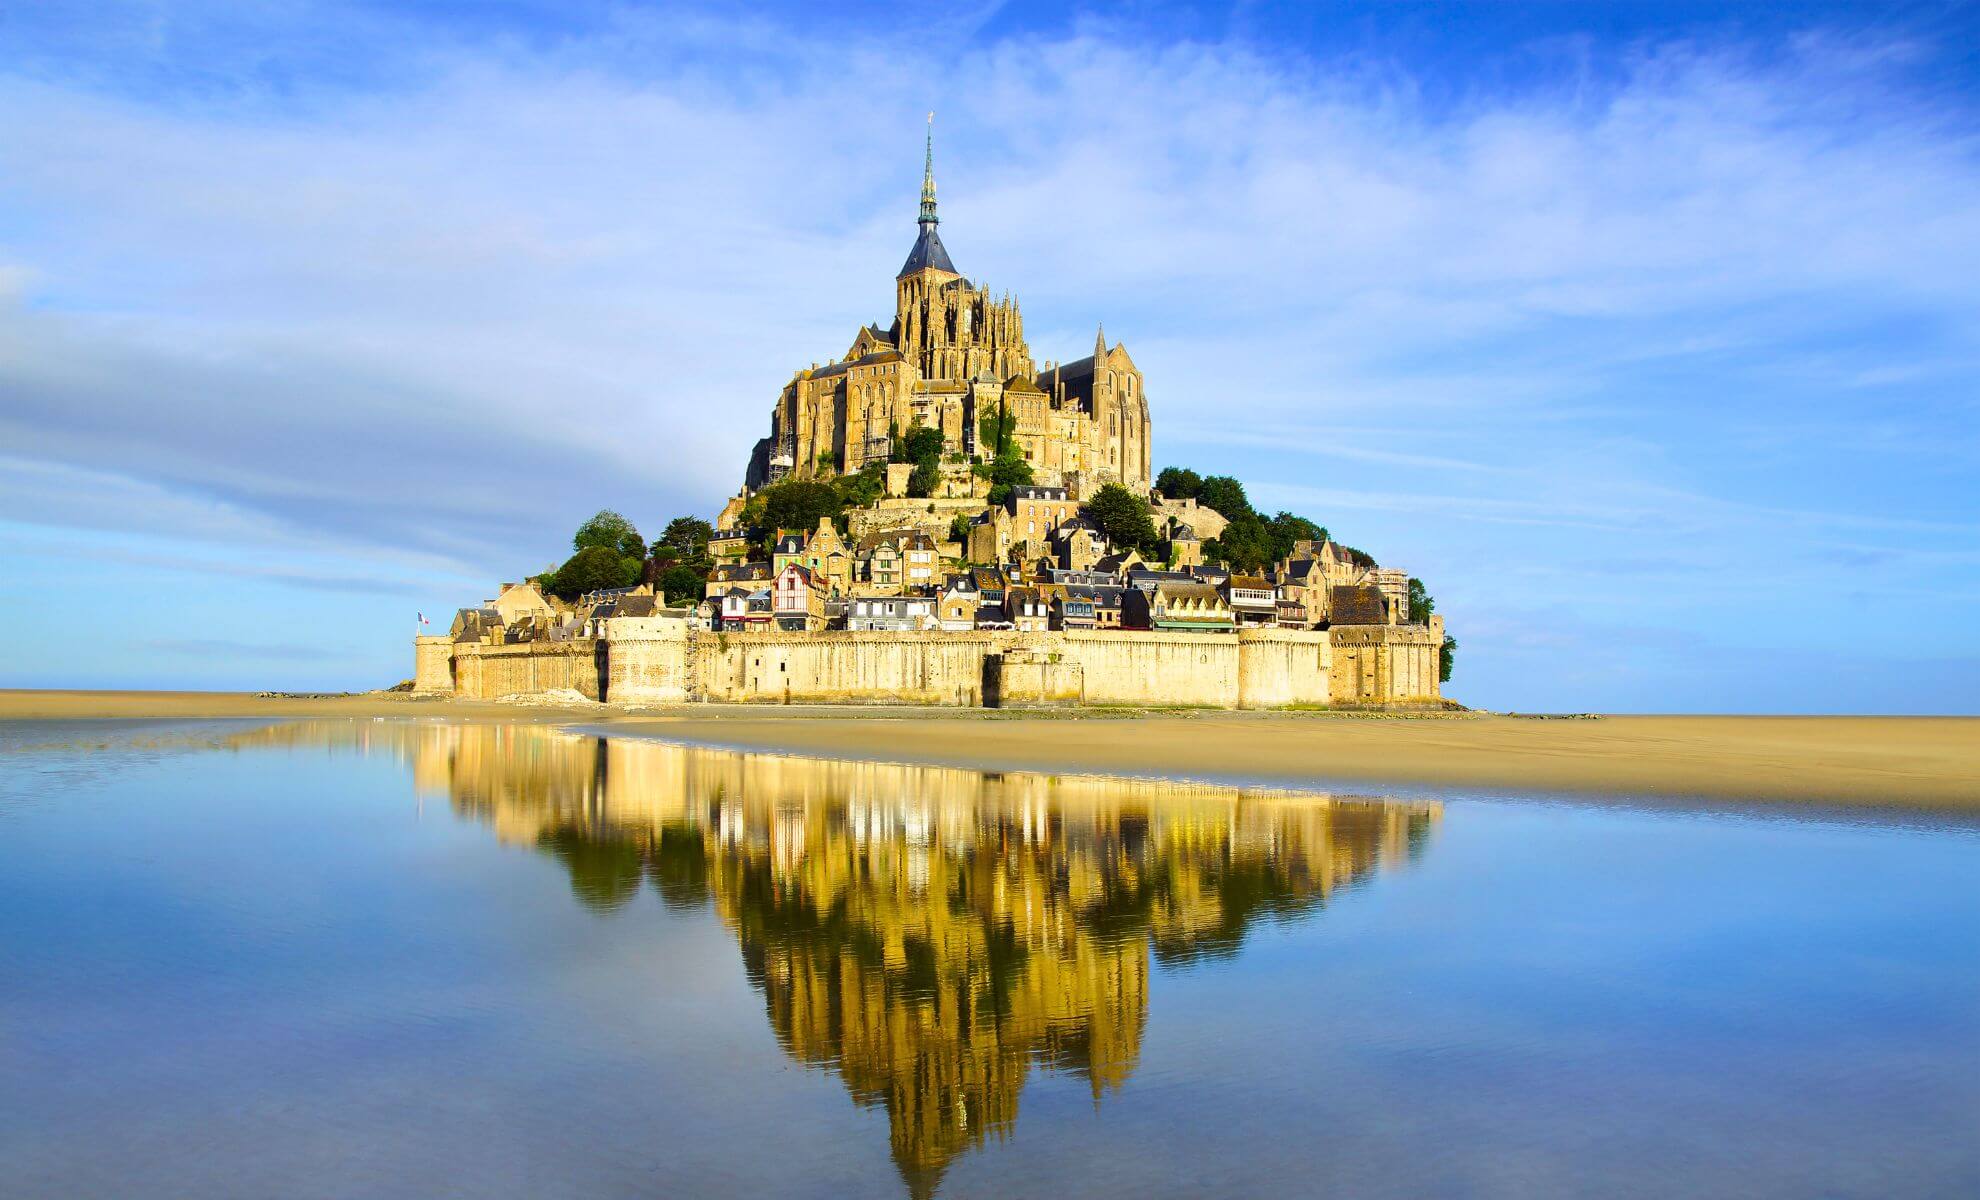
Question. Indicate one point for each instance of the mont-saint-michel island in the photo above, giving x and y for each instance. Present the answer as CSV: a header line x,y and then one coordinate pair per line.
x,y
1312,644
939,517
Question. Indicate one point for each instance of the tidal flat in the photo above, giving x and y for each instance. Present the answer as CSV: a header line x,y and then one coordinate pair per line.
x,y
359,955
1928,764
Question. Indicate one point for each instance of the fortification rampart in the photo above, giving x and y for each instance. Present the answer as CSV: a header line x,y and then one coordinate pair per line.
x,y
483,672
664,660
1385,664
842,667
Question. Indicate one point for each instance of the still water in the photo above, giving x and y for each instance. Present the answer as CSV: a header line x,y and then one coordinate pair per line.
x,y
358,959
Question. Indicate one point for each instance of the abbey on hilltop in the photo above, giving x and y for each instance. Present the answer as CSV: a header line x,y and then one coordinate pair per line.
x,y
955,359
937,519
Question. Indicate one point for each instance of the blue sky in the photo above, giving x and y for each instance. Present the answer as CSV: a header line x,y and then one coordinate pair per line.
x,y
1648,335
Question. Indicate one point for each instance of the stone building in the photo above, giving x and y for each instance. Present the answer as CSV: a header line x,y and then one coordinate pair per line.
x,y
953,356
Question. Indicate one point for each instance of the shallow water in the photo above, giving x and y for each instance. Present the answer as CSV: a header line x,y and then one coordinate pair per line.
x,y
359,958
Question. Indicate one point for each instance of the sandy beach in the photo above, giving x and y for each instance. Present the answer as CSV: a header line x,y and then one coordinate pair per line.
x,y
1899,762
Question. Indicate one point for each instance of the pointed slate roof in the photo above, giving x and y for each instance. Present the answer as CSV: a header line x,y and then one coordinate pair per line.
x,y
928,252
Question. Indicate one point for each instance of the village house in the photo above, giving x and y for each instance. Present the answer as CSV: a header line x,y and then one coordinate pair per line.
x,y
1177,608
630,602
1357,604
890,613
1035,513
1026,610
1077,544
520,602
483,624
1292,610
955,607
1253,600
797,599
898,559
750,575
1107,599
990,584
1147,579
823,551
990,536
1181,546
729,545
743,609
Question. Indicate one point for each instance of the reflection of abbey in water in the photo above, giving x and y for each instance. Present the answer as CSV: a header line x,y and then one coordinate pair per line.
x,y
927,933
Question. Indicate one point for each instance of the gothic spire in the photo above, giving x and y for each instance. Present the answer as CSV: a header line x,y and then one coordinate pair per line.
x,y
1100,344
928,216
928,251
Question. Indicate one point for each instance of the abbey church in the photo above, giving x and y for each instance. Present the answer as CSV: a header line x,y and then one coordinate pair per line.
x,y
953,357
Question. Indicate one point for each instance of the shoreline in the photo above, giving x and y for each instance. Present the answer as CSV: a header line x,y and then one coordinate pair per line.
x,y
1918,764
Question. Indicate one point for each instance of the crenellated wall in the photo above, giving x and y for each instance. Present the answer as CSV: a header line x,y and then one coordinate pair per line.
x,y
1385,664
663,660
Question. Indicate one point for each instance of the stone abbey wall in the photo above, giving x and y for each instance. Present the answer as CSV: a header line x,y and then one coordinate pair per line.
x,y
661,660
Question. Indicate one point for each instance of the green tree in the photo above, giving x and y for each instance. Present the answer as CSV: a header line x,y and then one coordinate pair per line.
x,y
687,537
828,460
1421,605
924,478
592,568
1224,494
921,442
959,529
1179,483
798,503
1245,545
1446,658
993,432
1285,529
1123,517
680,584
612,531
1008,470
863,487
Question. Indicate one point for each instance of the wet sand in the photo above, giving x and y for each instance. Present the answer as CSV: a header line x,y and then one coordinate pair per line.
x,y
1898,762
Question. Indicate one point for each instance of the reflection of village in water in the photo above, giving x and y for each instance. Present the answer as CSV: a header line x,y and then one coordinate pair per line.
x,y
928,933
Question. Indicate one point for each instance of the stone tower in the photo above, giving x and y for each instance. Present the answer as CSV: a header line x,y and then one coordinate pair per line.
x,y
949,328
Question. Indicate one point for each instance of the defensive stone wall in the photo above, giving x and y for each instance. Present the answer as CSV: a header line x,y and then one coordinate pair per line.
x,y
842,667
1027,678
1278,668
433,666
1385,664
663,660
532,668
651,660
1136,667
